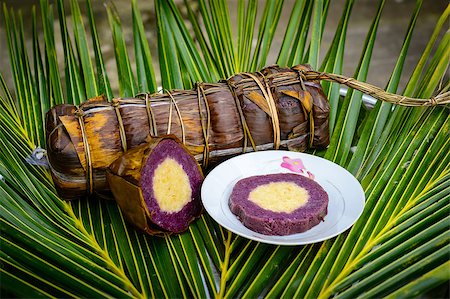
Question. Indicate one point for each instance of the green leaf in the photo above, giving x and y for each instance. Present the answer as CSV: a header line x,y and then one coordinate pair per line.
x,y
75,88
298,47
168,60
439,64
90,83
201,39
381,112
222,26
102,78
314,47
271,15
225,66
294,23
421,257
40,79
184,252
342,137
127,82
186,50
428,281
395,122
144,65
16,280
74,284
7,99
18,71
204,257
246,25
333,63
289,281
54,79
360,240
265,275
412,84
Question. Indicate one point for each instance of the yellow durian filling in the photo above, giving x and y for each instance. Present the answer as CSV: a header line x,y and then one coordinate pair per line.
x,y
279,197
171,186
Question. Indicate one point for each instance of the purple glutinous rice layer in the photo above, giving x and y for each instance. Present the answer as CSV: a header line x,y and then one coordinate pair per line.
x,y
278,223
178,221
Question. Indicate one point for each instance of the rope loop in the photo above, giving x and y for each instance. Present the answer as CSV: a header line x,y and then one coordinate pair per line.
x,y
433,101
115,102
301,73
245,129
150,116
267,94
301,77
374,91
122,133
173,102
206,131
79,113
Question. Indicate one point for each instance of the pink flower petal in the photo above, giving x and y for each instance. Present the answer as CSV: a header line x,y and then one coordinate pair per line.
x,y
286,159
296,165
288,166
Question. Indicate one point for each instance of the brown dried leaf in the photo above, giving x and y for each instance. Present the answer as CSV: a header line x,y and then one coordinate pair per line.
x,y
303,96
259,100
291,93
307,101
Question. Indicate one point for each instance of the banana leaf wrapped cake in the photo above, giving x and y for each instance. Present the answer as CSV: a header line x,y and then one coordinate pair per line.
x,y
271,109
157,185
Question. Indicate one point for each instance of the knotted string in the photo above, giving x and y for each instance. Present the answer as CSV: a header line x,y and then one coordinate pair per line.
x,y
308,114
79,113
122,133
245,129
201,94
174,103
442,98
267,94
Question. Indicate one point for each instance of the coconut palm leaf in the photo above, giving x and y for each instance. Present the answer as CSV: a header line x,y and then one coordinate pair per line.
x,y
85,248
342,137
51,63
381,111
333,63
127,82
90,84
102,77
144,66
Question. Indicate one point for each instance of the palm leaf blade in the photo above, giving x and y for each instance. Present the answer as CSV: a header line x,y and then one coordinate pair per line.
x,y
146,74
83,51
102,78
430,280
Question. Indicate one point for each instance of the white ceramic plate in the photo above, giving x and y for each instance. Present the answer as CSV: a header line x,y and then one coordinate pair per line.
x,y
346,196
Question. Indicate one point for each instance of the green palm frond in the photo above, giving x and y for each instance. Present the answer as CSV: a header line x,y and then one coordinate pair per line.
x,y
85,248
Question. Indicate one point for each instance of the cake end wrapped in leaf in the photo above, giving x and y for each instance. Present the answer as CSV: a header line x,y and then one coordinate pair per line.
x,y
157,186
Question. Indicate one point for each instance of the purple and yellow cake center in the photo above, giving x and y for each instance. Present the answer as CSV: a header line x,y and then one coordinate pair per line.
x,y
279,196
171,186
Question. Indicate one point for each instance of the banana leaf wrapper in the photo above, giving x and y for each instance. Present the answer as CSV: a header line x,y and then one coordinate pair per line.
x,y
271,109
133,180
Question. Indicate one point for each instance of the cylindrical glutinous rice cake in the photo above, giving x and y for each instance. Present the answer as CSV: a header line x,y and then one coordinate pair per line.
x,y
157,185
279,204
